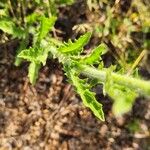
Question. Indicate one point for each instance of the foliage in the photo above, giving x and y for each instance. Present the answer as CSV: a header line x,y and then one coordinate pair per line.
x,y
15,20
88,97
77,47
124,25
83,71
38,55
134,126
8,26
74,64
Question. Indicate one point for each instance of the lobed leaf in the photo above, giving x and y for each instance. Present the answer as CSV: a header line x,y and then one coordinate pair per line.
x,y
77,46
43,57
28,54
30,19
33,72
46,26
8,26
22,46
87,96
123,99
94,56
122,96
34,55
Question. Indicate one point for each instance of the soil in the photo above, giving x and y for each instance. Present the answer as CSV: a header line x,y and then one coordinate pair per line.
x,y
50,116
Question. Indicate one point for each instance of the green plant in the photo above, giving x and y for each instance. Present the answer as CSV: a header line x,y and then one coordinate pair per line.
x,y
38,54
15,20
122,89
134,126
83,72
125,30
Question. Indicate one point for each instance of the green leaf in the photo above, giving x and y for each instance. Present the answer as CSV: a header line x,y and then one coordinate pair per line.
x,y
46,26
123,99
22,46
87,96
3,12
94,56
19,32
33,72
30,19
35,55
38,1
77,46
8,26
43,57
28,54
122,96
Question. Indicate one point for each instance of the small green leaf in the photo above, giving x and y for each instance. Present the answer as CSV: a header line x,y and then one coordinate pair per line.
x,y
94,56
37,1
8,26
77,46
4,11
122,96
30,19
35,54
33,72
22,46
28,54
46,26
90,101
87,96
123,99
43,57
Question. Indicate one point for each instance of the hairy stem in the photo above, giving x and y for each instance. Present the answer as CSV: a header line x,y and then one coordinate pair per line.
x,y
140,86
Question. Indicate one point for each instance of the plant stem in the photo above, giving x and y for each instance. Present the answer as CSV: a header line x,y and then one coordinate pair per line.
x,y
137,61
11,9
49,8
141,86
